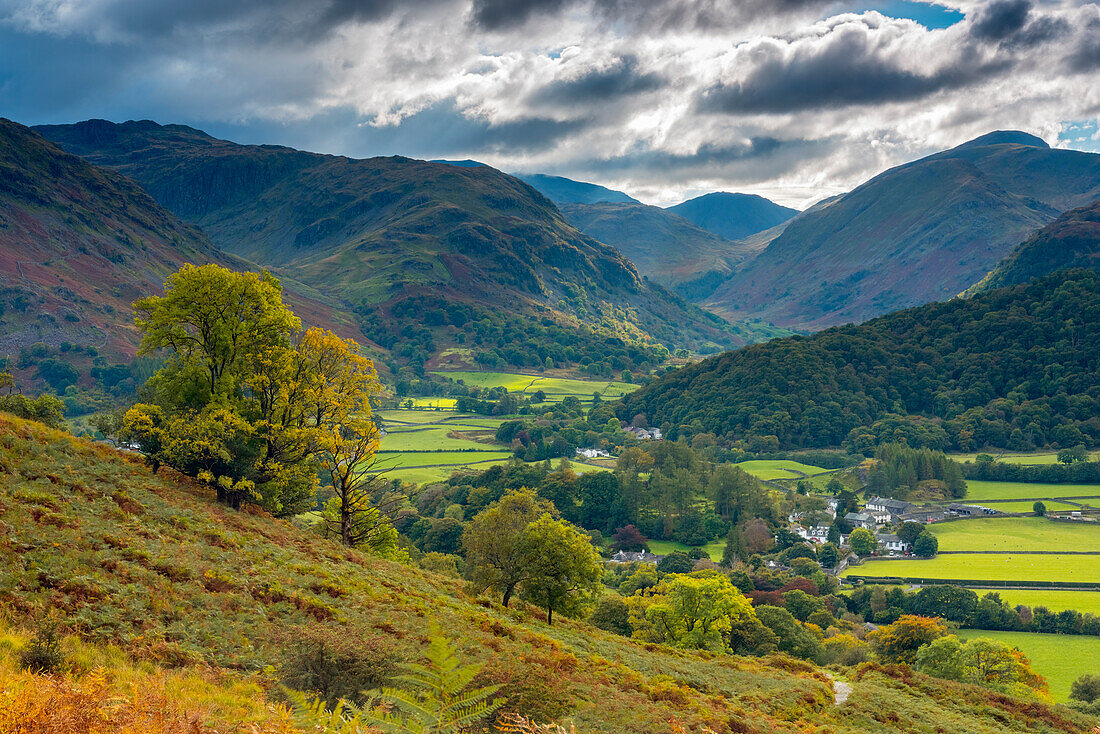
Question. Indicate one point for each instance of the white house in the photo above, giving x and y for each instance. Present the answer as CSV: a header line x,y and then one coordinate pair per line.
x,y
891,543
592,453
893,509
814,534
632,557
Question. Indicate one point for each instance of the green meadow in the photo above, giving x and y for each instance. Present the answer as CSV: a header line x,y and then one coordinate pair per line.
x,y
992,567
1043,457
1056,600
978,491
1009,534
555,388
1060,659
769,469
664,547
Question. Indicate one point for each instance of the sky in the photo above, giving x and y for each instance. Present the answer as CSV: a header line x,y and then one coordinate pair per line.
x,y
795,100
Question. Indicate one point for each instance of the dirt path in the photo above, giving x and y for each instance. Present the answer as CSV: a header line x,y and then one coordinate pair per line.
x,y
841,690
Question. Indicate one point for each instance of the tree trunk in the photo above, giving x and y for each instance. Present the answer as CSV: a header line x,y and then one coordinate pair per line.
x,y
345,523
508,593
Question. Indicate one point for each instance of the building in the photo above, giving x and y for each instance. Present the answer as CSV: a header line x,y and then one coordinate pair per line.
x,y
638,557
592,453
646,434
924,515
814,534
968,510
893,509
891,543
861,520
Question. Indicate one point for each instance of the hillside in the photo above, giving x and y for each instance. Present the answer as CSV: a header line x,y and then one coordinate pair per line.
x,y
151,565
665,247
381,232
1016,367
1070,241
561,190
917,233
79,243
733,216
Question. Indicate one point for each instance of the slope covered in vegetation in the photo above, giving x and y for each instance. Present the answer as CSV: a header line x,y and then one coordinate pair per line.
x,y
152,565
1017,367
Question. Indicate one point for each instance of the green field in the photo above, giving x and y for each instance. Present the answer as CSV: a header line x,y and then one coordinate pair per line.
x,y
554,387
1028,505
769,469
1016,534
1086,602
993,567
1036,458
1060,659
978,491
431,439
664,547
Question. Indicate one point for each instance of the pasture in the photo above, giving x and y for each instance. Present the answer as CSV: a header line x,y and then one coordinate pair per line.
x,y
1042,457
555,388
664,547
1056,600
421,446
769,469
989,567
1008,534
1060,659
980,491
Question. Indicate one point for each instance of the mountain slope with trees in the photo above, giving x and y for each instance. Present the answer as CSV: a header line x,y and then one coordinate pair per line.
x,y
1070,241
733,216
917,233
380,233
1017,367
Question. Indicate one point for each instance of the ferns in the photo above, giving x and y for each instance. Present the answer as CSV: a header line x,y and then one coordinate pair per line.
x,y
435,701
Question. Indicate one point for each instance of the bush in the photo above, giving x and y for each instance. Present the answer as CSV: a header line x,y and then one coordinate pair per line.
x,y
1086,688
611,615
43,653
335,665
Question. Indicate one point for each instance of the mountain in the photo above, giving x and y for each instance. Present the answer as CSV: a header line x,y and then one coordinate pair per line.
x,y
1017,367
79,243
567,191
920,232
665,247
397,238
220,607
733,216
1070,241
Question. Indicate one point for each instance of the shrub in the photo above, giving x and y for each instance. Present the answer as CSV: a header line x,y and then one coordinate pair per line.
x,y
611,615
1086,688
43,653
334,665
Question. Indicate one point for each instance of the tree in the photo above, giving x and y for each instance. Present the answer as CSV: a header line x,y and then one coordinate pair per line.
x,y
862,542
794,638
562,567
1073,455
692,611
834,534
981,661
1086,688
899,642
1039,509
828,556
611,614
495,541
676,562
735,549
926,545
628,538
909,531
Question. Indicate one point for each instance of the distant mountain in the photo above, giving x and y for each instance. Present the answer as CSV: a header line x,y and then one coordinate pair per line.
x,y
667,248
78,244
920,232
1016,367
404,242
733,216
1070,241
567,191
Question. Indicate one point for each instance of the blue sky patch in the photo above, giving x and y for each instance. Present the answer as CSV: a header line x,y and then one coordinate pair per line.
x,y
927,14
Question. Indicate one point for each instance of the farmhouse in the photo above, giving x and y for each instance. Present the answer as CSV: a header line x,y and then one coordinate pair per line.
x,y
891,543
893,509
861,520
593,453
646,434
924,515
968,510
632,557
814,534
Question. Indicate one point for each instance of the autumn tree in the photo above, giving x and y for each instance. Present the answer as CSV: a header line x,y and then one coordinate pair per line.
x,y
899,642
563,569
981,661
628,538
696,610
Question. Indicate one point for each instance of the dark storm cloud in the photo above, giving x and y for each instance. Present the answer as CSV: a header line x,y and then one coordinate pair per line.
x,y
847,71
1085,57
713,155
620,79
701,14
1000,19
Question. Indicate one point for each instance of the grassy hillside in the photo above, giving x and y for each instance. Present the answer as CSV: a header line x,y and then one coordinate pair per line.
x,y
376,233
665,246
151,565
920,232
988,371
1070,241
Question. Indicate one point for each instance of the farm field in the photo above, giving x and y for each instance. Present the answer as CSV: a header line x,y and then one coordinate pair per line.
x,y
418,449
664,547
1056,600
1060,659
1028,505
1015,534
992,567
432,439
978,491
555,388
1036,458
769,469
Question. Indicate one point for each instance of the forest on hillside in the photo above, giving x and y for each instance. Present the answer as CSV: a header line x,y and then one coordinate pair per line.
x,y
1017,368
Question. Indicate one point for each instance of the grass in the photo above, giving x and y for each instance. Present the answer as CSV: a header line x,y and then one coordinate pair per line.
x,y
977,491
1042,457
664,547
1061,659
988,567
429,439
442,404
554,387
770,469
1028,505
1053,599
1016,534
151,565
